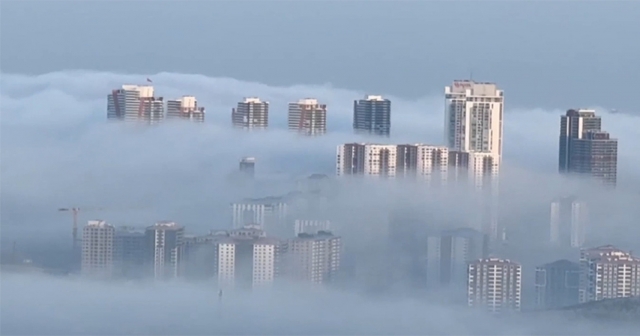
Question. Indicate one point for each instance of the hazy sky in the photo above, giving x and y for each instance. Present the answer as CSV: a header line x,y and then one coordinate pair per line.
x,y
546,54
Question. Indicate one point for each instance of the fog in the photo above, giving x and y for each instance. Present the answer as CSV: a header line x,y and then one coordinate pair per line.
x,y
57,150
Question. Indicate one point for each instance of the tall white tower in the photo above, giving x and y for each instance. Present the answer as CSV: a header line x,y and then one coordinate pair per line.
x,y
473,117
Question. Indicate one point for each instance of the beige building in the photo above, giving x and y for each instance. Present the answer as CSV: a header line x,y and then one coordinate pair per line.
x,y
185,108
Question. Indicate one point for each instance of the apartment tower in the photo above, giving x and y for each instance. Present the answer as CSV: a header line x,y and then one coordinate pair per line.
x,y
163,241
136,104
473,117
449,254
314,258
608,273
585,149
268,214
97,249
366,159
248,167
569,220
247,259
185,108
557,284
308,117
250,114
372,115
495,285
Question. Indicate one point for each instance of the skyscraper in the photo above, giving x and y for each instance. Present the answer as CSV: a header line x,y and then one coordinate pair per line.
x,y
568,225
97,249
185,108
607,272
308,117
572,126
449,254
473,117
585,149
595,155
135,103
557,284
495,285
372,115
252,113
314,258
163,241
311,226
248,166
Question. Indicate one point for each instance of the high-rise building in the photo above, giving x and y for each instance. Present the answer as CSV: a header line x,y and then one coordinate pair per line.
x,y
311,226
314,258
557,284
135,103
473,117
372,115
569,220
247,259
425,162
185,108
163,241
129,252
585,149
449,254
248,166
607,272
97,249
595,155
495,285
268,213
572,126
199,256
366,159
308,117
252,113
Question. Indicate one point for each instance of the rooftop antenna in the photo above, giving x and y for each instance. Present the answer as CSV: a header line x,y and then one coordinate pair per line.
x,y
471,74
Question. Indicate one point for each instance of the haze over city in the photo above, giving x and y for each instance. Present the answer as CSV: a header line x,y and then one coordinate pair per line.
x,y
61,147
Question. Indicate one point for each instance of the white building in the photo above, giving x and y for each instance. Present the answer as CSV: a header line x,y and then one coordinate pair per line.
x,y
449,254
366,159
185,108
495,285
314,258
163,241
135,103
98,249
311,226
608,273
308,117
250,114
269,213
247,259
568,223
473,117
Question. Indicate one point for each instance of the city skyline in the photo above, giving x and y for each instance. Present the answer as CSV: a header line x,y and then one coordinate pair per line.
x,y
319,168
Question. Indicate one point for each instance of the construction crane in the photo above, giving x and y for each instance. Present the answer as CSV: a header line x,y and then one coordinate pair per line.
x,y
75,211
